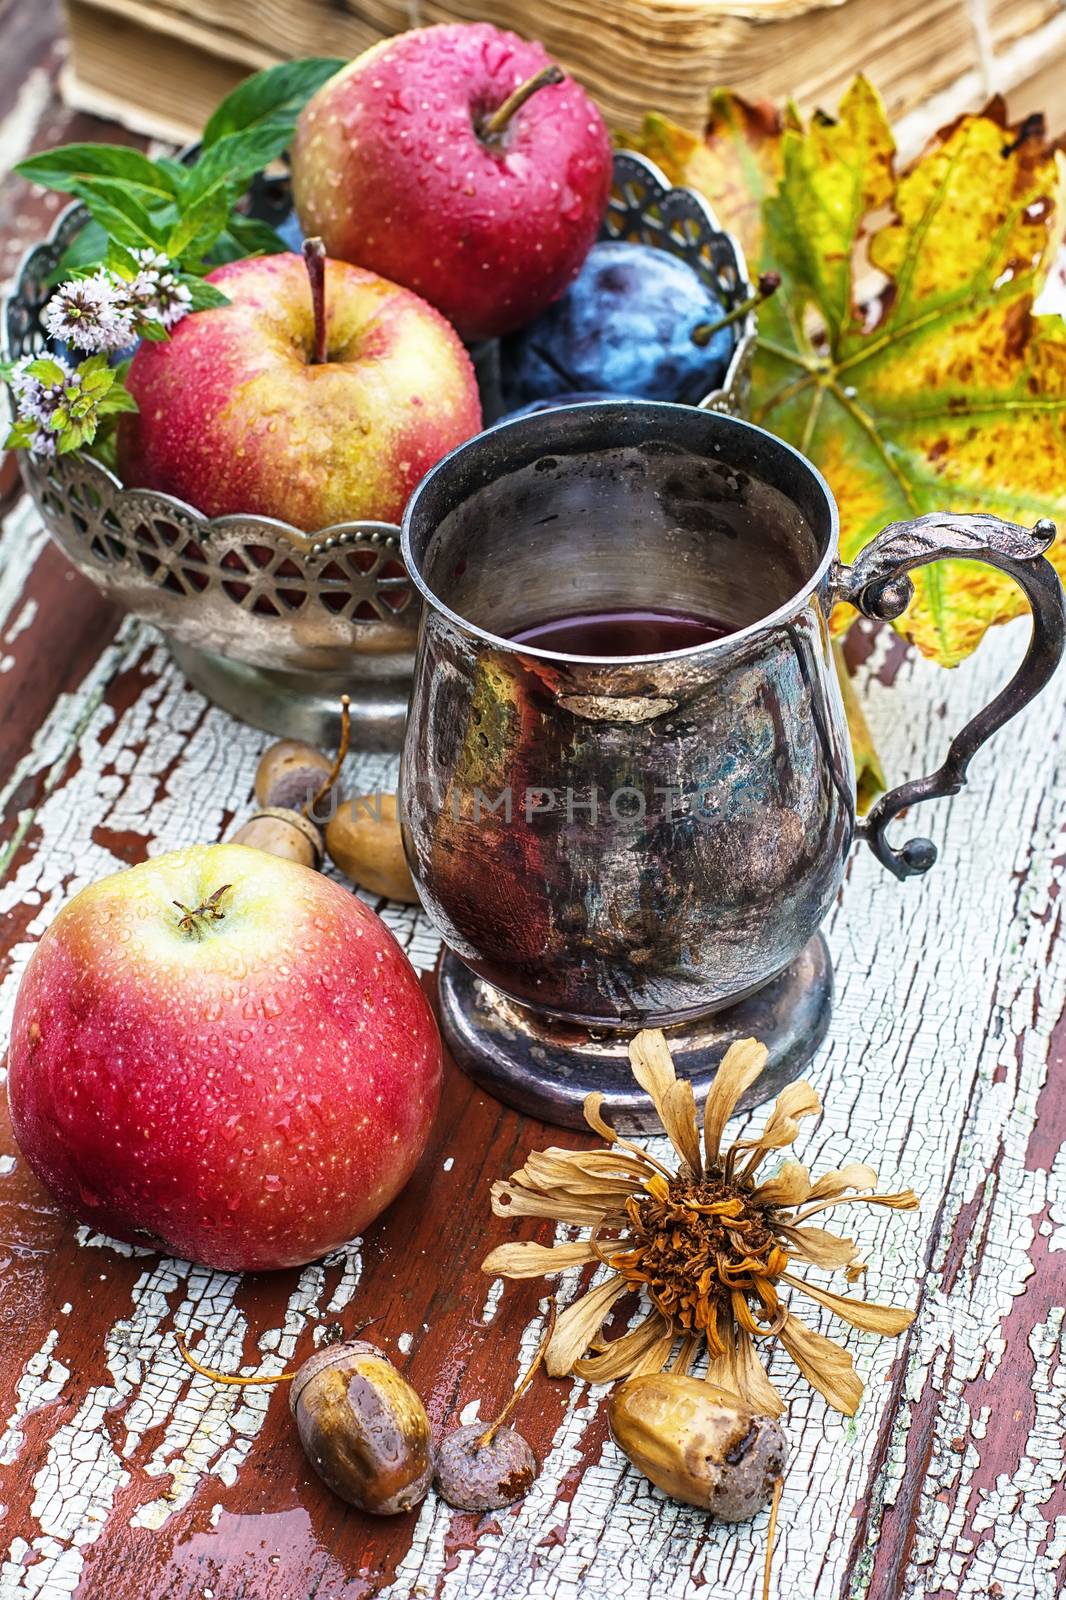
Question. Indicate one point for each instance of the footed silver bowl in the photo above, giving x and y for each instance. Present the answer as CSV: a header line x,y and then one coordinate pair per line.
x,y
269,622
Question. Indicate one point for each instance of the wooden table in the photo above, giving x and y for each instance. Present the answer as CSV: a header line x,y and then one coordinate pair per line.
x,y
123,1474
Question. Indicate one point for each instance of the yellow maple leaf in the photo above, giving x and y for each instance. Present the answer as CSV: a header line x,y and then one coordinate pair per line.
x,y
902,352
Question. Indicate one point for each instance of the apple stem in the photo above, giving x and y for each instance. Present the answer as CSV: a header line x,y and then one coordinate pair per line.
x,y
496,124
768,284
315,258
209,910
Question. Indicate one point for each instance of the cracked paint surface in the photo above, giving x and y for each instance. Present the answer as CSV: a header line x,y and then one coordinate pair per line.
x,y
950,995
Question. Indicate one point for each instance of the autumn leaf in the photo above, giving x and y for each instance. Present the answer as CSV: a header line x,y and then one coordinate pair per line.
x,y
902,353
869,773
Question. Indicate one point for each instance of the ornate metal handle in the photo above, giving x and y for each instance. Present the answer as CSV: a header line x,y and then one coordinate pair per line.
x,y
879,587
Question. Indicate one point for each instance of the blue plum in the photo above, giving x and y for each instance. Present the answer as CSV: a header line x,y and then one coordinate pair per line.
x,y
625,326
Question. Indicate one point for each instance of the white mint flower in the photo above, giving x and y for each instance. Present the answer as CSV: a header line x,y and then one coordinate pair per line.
x,y
38,402
155,293
90,314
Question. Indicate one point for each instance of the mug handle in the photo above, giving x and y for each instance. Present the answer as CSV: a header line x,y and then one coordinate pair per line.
x,y
878,586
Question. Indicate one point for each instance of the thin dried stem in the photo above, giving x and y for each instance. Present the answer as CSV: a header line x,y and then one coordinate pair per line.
x,y
771,1534
338,761
494,1427
225,1377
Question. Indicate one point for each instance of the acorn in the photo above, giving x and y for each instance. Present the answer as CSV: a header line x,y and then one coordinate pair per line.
x,y
291,779
475,1474
483,1469
290,775
699,1443
363,839
363,1428
281,832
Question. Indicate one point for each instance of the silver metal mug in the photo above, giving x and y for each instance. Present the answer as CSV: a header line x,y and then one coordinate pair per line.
x,y
607,844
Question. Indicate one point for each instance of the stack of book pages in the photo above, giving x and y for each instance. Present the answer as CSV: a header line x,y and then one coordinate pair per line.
x,y
160,65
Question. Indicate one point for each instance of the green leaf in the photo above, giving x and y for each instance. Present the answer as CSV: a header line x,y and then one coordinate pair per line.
x,y
87,249
73,437
120,213
96,376
944,391
120,260
46,370
237,158
266,96
154,332
200,225
21,435
68,165
257,238
204,296
119,399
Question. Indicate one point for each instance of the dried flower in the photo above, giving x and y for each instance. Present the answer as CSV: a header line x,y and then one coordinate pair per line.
x,y
708,1246
91,314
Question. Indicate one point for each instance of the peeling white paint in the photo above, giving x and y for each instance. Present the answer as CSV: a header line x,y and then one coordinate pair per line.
x,y
936,982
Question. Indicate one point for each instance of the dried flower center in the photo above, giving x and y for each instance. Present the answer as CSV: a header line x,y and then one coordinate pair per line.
x,y
701,1248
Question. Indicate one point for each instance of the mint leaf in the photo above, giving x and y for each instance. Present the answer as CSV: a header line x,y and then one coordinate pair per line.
x,y
65,167
204,296
119,212
201,223
45,370
87,249
237,157
118,400
255,238
276,93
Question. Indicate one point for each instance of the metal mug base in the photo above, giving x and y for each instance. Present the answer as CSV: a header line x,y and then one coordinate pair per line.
x,y
300,705
545,1068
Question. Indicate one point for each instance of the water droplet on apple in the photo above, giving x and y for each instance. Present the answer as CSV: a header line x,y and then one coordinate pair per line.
x,y
272,1181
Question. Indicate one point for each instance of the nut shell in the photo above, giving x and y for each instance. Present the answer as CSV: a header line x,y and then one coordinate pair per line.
x,y
363,1428
484,1479
290,774
698,1443
282,833
364,841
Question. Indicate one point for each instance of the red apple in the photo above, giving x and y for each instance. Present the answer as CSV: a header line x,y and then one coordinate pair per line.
x,y
223,1054
410,162
236,415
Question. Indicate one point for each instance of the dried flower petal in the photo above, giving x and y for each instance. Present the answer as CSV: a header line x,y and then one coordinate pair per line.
x,y
855,1175
740,1371
819,1247
796,1100
682,1125
530,1260
645,1348
737,1071
826,1366
886,1320
509,1200
789,1187
579,1324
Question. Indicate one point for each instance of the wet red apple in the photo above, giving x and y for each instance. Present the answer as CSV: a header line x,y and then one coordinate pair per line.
x,y
460,161
315,410
225,1055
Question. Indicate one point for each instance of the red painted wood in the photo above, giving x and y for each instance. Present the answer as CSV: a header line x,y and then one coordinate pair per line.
x,y
281,1533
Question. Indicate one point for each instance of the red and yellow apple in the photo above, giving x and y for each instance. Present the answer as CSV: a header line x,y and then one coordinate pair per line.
x,y
458,161
236,414
223,1054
